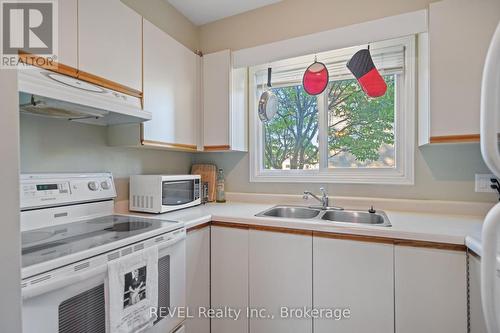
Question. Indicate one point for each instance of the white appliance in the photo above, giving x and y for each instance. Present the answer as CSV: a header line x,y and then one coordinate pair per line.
x,y
490,128
69,234
161,194
50,94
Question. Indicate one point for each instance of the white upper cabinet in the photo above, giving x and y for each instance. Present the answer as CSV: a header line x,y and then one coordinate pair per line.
x,y
110,42
459,36
224,103
68,33
171,90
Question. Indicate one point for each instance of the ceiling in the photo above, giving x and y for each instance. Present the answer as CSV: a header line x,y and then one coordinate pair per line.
x,y
205,11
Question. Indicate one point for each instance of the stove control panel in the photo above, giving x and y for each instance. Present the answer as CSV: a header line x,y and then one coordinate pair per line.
x,y
47,190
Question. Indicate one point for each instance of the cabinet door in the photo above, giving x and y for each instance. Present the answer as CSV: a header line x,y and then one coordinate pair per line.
x,y
430,290
68,33
477,324
216,99
110,41
171,89
198,279
466,27
357,276
229,277
280,277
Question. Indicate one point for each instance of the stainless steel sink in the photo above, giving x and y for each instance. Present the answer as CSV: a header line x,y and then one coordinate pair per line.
x,y
291,212
377,218
358,217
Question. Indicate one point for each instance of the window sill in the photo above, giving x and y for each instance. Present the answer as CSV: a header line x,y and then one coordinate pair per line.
x,y
377,177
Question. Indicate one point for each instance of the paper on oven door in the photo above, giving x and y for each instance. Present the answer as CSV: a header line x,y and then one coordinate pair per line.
x,y
132,290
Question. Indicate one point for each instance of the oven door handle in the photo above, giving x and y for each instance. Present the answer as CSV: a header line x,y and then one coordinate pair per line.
x,y
57,283
172,239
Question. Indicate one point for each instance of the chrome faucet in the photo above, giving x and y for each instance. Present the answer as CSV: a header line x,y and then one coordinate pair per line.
x,y
324,199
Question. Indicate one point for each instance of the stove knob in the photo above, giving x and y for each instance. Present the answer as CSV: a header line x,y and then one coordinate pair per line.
x,y
105,185
93,186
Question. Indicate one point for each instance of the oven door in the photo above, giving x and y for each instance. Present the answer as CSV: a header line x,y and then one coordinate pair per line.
x,y
178,194
77,304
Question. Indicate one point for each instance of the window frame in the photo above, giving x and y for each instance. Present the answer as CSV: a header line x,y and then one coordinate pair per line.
x,y
402,174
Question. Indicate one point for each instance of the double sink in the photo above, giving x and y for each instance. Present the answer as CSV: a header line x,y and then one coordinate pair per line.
x,y
354,217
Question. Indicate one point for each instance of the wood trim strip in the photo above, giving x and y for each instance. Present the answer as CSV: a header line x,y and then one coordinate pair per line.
x,y
281,230
230,225
358,238
262,228
430,245
216,148
198,227
334,235
178,146
142,63
51,66
75,73
84,76
455,138
474,254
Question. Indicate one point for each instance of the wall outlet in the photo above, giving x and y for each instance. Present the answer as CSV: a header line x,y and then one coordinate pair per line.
x,y
483,183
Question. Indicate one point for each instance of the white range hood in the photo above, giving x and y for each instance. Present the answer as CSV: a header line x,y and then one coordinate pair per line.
x,y
49,94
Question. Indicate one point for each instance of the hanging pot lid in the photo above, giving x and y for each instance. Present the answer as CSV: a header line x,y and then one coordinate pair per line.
x,y
315,78
268,102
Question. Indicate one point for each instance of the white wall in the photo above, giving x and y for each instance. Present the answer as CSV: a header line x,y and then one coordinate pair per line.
x,y
294,18
10,248
49,145
442,172
166,17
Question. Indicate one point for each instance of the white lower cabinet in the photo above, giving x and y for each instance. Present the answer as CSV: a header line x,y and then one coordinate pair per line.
x,y
198,279
279,275
280,270
357,276
229,277
430,290
477,324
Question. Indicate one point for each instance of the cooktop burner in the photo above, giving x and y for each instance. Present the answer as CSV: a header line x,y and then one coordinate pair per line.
x,y
49,243
35,236
129,226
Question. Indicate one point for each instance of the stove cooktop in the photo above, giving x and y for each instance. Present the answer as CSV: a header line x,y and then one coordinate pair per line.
x,y
45,244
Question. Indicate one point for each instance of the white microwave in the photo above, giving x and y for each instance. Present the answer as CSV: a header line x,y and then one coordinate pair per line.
x,y
162,193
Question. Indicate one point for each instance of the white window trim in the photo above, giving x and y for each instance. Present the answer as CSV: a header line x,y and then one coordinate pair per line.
x,y
403,174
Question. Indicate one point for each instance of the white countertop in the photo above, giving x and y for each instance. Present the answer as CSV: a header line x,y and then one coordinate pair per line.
x,y
473,242
431,227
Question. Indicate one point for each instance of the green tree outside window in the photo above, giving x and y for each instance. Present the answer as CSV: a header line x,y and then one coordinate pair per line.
x,y
360,129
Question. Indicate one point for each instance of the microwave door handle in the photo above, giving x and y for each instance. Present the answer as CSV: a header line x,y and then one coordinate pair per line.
x,y
490,105
178,182
58,283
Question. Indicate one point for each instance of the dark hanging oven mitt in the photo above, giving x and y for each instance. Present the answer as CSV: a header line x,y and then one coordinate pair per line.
x,y
362,67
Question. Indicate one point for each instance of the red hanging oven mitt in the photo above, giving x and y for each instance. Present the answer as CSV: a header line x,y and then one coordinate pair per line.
x,y
362,67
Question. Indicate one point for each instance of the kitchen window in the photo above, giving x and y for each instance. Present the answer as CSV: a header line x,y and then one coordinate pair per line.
x,y
341,135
